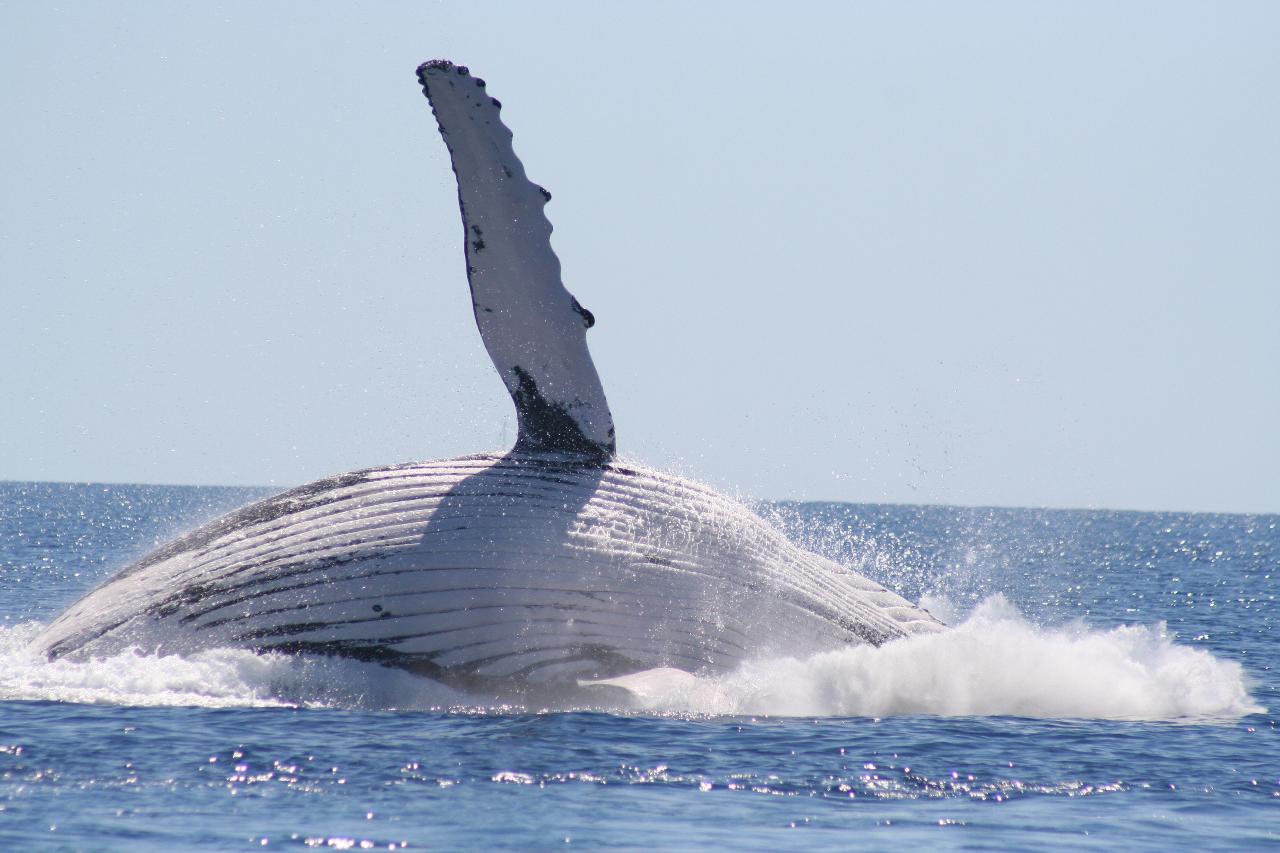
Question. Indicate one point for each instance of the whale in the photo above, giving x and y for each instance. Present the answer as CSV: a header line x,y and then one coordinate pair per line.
x,y
554,563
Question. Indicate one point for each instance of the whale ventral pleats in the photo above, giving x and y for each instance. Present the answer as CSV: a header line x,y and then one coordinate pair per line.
x,y
533,329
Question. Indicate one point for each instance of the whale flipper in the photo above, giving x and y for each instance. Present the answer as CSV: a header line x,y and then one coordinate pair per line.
x,y
532,327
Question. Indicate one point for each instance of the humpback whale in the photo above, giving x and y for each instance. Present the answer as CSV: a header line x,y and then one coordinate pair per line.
x,y
552,564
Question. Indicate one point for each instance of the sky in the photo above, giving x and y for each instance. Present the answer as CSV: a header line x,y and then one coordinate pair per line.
x,y
983,254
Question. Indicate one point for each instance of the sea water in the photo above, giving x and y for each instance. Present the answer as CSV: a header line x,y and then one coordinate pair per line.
x,y
1110,682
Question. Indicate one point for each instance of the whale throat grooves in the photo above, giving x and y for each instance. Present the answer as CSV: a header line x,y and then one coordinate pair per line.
x,y
532,327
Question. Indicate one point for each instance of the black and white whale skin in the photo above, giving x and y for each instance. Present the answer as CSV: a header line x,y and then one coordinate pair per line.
x,y
552,564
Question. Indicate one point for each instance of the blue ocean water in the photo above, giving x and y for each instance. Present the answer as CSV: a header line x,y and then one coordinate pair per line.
x,y
1110,682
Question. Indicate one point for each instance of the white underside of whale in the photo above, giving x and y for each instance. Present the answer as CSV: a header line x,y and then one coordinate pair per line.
x,y
521,569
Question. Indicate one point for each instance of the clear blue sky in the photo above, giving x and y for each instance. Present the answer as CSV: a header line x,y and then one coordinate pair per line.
x,y
978,253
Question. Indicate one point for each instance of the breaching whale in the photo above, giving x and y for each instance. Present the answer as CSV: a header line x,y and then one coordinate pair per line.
x,y
551,564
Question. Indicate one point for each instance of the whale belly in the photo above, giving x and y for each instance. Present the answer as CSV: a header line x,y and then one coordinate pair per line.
x,y
490,569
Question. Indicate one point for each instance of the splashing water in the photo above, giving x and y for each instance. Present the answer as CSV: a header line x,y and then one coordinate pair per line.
x,y
218,678
994,663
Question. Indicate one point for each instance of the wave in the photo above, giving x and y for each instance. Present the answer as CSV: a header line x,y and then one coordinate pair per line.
x,y
218,678
993,663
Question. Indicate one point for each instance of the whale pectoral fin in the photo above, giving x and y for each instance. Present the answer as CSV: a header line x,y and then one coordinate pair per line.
x,y
532,327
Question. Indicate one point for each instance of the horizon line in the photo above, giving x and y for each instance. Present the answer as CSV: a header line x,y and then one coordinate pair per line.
x,y
746,499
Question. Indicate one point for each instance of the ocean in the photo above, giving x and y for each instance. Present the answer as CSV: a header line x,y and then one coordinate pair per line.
x,y
1110,682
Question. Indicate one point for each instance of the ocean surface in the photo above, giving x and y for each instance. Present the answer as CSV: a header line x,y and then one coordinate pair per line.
x,y
1111,682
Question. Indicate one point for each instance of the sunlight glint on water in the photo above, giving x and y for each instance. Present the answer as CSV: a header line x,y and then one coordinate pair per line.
x,y
1134,651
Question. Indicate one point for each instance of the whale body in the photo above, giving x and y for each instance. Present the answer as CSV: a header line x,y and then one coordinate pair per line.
x,y
492,569
551,564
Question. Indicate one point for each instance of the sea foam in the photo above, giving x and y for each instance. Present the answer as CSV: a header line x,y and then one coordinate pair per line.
x,y
215,678
993,663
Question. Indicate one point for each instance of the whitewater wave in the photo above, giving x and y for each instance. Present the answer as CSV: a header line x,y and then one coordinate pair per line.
x,y
218,678
994,663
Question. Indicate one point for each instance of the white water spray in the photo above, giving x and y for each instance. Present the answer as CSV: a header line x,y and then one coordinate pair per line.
x,y
994,663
